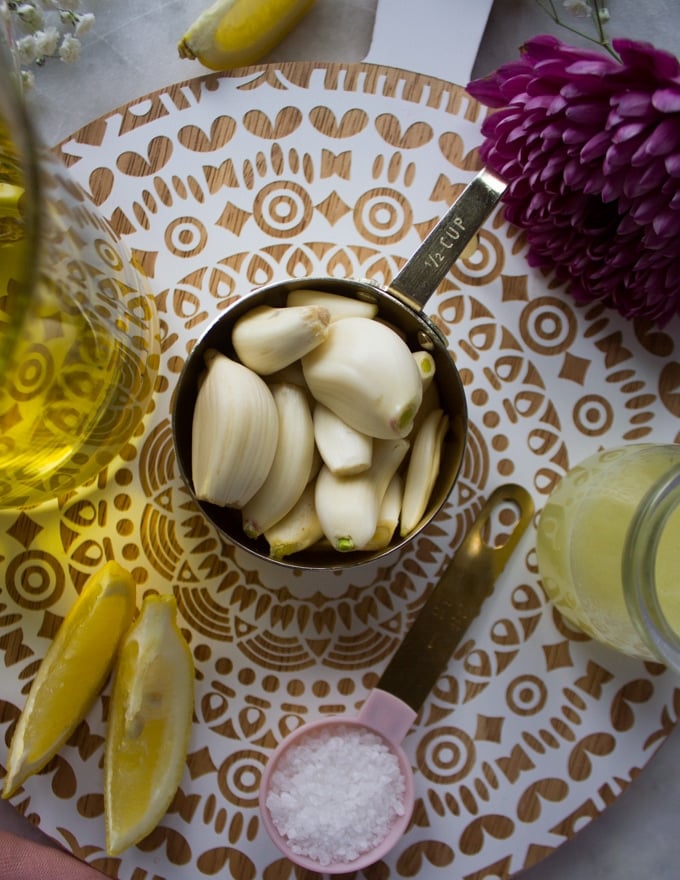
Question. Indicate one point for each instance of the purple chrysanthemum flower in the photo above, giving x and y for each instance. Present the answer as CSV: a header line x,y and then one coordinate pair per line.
x,y
590,148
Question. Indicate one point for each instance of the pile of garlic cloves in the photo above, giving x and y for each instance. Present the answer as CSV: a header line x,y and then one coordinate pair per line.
x,y
325,427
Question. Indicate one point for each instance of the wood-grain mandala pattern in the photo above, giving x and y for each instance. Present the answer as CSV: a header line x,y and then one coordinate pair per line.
x,y
228,182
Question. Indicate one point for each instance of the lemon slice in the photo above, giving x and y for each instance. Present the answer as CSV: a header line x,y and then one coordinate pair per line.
x,y
233,33
150,720
72,672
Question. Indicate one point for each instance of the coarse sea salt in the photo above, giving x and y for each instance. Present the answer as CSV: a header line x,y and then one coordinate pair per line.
x,y
336,794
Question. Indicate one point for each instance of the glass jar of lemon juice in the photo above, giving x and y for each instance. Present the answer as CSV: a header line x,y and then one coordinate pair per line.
x,y
79,341
608,547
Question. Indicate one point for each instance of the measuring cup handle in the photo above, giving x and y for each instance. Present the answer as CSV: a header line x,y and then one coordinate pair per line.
x,y
428,266
387,714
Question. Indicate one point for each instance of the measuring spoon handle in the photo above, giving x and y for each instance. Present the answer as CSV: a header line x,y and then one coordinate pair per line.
x,y
455,601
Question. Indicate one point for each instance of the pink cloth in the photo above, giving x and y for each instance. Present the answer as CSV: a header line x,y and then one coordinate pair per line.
x,y
22,859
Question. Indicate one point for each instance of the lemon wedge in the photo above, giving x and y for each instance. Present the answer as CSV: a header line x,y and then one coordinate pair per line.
x,y
72,672
233,33
149,725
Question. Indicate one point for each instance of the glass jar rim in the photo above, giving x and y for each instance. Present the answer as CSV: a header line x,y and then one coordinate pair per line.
x,y
15,117
638,568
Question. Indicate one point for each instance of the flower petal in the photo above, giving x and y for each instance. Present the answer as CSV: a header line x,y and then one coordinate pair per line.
x,y
664,138
652,177
633,104
667,223
596,146
667,100
644,56
587,112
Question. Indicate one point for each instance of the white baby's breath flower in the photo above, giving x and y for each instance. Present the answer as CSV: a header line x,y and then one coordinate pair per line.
x,y
27,80
26,49
30,15
46,42
84,24
69,51
579,8
603,14
46,29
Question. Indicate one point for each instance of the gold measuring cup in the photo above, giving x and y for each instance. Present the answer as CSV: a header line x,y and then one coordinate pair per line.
x,y
401,305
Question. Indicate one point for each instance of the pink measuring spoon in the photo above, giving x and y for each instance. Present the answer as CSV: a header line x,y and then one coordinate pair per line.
x,y
392,706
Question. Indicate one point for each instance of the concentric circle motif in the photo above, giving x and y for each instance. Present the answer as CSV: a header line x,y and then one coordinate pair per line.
x,y
186,237
108,254
527,695
549,325
341,170
283,209
34,580
239,776
446,755
383,216
34,374
593,415
483,264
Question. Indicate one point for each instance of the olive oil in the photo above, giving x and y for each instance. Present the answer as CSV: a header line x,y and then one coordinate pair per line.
x,y
79,345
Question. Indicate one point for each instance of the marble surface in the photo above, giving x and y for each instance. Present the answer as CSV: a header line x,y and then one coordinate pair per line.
x,y
638,835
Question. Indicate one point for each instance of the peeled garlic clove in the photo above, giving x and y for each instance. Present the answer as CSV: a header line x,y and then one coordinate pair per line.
x,y
426,367
338,306
431,400
348,507
317,463
423,467
344,450
298,530
234,434
267,339
292,463
300,527
388,517
292,374
365,373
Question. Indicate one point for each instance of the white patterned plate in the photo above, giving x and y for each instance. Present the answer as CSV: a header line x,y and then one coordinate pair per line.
x,y
228,182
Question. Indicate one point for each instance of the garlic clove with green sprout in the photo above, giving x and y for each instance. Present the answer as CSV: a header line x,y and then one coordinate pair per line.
x,y
426,367
366,374
349,507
